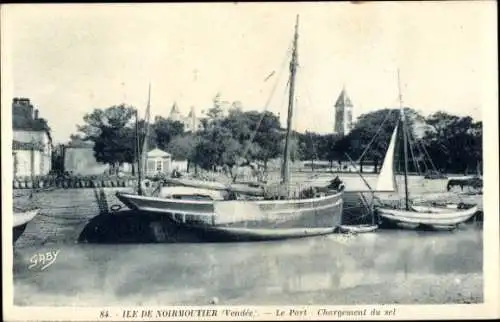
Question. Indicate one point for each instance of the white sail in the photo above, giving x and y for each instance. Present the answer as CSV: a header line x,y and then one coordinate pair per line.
x,y
386,180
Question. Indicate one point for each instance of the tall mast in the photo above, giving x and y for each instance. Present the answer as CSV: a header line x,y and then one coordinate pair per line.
x,y
405,143
138,154
285,169
146,134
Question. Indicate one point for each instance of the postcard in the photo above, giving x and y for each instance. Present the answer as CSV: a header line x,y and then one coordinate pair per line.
x,y
250,161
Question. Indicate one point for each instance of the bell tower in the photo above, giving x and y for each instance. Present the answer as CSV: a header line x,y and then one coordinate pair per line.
x,y
343,114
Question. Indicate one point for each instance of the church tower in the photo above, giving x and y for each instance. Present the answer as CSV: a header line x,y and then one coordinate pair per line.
x,y
343,114
175,115
191,121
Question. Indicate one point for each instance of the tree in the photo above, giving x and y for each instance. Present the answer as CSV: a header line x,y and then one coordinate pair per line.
x,y
328,148
183,147
114,117
165,130
369,139
114,147
216,147
267,137
453,143
112,133
258,133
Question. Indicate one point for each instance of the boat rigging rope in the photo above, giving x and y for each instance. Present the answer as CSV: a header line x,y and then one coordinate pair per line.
x,y
254,133
430,159
419,150
314,150
375,136
410,143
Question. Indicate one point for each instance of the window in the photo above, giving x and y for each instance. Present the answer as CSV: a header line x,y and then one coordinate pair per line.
x,y
159,165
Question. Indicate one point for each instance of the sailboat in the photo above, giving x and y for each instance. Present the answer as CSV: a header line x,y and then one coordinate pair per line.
x,y
219,213
413,215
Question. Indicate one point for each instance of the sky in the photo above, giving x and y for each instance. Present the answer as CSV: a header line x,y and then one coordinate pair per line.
x,y
69,59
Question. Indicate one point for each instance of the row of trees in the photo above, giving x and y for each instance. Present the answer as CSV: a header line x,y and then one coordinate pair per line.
x,y
441,141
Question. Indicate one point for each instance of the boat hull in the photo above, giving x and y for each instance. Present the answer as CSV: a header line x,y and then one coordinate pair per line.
x,y
20,221
218,186
428,216
238,234
17,231
357,229
244,220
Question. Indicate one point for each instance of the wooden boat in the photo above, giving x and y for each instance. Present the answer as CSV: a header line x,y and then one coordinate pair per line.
x,y
429,215
213,185
441,208
200,208
413,214
357,229
20,221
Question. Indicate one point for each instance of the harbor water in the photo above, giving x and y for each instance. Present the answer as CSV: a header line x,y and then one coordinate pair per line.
x,y
383,267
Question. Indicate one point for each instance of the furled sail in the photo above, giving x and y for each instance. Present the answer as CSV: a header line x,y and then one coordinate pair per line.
x,y
386,179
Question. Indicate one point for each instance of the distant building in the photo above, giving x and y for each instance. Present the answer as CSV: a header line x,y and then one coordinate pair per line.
x,y
32,142
175,115
343,114
79,159
225,105
158,162
191,122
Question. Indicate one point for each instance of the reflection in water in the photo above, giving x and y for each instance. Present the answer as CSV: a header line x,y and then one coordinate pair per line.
x,y
316,270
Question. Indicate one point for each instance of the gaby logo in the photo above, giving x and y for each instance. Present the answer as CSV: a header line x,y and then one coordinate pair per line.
x,y
43,260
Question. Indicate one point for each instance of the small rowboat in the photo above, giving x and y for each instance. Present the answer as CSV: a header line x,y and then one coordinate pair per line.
x,y
357,229
429,216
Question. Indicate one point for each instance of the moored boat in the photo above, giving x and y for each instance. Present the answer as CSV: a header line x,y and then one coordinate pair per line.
x,y
216,209
358,229
428,215
256,220
236,187
420,215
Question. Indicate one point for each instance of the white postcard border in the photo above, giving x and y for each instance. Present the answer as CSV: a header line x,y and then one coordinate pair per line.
x,y
491,281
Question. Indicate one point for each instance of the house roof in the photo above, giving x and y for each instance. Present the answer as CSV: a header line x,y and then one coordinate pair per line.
x,y
174,109
155,153
38,125
25,146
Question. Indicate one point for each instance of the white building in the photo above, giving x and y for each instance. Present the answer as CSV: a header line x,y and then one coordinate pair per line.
x,y
30,159
191,122
158,162
32,143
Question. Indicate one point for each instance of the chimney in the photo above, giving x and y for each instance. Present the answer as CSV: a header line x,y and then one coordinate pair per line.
x,y
36,115
24,101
